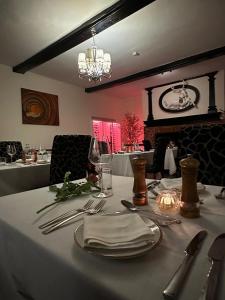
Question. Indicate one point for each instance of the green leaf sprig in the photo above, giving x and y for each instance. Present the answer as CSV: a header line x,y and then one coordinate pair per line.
x,y
69,190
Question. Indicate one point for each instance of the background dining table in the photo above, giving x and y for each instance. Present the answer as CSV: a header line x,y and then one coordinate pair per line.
x,y
53,266
18,177
121,163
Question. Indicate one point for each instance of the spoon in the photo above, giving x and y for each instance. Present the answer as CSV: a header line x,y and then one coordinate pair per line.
x,y
133,208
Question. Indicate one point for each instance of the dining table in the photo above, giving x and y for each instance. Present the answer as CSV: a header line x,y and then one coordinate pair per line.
x,y
18,177
54,266
121,162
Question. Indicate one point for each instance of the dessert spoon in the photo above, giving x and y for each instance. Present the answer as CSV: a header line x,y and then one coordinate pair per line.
x,y
168,220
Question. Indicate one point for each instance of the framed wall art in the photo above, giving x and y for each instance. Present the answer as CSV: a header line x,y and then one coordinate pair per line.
x,y
39,108
179,98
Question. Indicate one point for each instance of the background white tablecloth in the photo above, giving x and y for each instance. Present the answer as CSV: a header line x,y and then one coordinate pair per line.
x,y
169,161
121,163
17,177
52,266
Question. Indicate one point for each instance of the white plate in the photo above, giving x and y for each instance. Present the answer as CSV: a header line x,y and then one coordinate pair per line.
x,y
122,253
41,162
19,161
28,161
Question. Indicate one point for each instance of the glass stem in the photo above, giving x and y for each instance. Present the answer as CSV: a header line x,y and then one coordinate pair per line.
x,y
100,179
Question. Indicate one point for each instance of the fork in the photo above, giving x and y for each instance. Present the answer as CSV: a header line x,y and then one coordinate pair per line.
x,y
90,211
67,214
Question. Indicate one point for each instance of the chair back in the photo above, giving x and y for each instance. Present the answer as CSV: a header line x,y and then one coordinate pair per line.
x,y
159,155
69,153
104,147
3,150
207,144
147,145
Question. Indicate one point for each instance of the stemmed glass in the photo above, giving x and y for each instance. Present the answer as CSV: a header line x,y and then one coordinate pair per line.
x,y
101,157
11,151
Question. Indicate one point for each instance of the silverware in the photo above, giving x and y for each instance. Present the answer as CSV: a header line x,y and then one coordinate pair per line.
x,y
90,211
172,289
153,183
151,187
167,220
160,223
216,254
67,214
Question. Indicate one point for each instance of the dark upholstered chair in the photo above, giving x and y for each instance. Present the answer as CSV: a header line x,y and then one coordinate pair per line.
x,y
207,144
156,170
147,145
3,150
69,153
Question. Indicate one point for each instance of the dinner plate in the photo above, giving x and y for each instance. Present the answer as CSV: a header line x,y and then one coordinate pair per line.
x,y
121,253
41,162
28,161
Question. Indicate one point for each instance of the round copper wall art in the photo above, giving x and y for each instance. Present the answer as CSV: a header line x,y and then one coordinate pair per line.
x,y
39,108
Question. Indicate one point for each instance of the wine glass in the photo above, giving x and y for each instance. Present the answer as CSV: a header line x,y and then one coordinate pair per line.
x,y
11,151
101,157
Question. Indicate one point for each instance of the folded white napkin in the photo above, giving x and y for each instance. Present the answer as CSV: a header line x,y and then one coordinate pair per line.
x,y
116,232
176,183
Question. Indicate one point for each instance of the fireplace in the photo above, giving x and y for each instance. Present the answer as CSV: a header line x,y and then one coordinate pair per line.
x,y
171,127
169,136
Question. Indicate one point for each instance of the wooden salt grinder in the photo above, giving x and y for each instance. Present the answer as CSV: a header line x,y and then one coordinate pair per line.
x,y
140,191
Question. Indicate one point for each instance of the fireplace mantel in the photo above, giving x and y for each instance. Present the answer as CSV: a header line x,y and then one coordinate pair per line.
x,y
214,116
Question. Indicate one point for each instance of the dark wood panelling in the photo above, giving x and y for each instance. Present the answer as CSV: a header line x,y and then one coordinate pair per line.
x,y
100,22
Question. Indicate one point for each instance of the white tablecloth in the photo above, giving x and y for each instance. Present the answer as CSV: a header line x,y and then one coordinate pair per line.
x,y
15,178
121,163
53,267
169,161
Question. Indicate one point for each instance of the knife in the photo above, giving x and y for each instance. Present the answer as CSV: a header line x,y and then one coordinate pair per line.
x,y
174,285
216,255
153,184
151,187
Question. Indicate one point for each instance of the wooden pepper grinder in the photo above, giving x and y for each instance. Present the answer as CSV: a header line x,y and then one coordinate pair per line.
x,y
140,191
189,207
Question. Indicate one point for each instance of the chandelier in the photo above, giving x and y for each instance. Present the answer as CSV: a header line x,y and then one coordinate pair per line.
x,y
94,63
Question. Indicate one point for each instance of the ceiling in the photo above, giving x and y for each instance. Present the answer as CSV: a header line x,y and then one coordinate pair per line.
x,y
162,32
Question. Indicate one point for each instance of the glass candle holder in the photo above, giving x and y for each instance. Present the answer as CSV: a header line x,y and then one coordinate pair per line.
x,y
168,200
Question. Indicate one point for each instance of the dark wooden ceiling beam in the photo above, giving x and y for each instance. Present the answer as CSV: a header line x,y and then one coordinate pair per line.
x,y
100,22
160,69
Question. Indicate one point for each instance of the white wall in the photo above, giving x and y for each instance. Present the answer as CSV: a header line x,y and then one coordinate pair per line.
x,y
76,108
202,108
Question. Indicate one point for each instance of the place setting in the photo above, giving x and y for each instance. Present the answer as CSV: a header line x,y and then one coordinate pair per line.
x,y
119,237
136,227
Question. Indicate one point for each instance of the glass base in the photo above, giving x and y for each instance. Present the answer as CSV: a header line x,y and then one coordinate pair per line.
x,y
103,195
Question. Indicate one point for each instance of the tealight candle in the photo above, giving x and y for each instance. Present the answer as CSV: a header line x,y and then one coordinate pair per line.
x,y
167,200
